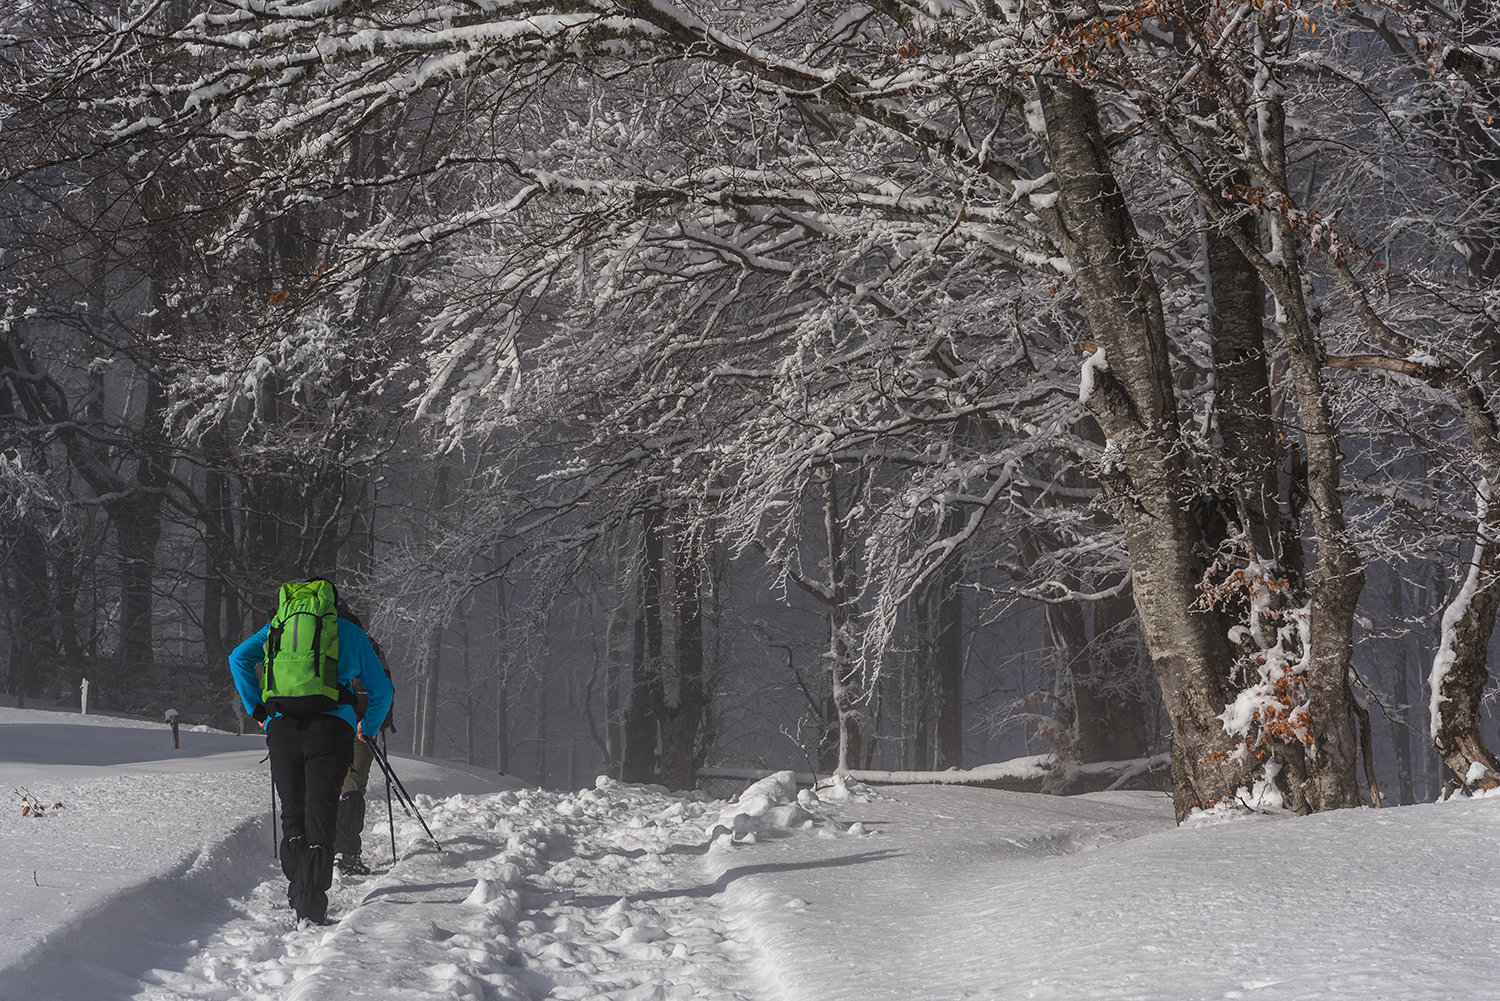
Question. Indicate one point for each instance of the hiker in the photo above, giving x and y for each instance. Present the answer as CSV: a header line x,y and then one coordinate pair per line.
x,y
347,845
304,702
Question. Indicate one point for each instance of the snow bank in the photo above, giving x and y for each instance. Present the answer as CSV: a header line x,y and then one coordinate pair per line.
x,y
1023,774
768,806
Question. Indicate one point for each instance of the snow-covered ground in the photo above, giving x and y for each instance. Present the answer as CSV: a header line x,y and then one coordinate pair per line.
x,y
154,880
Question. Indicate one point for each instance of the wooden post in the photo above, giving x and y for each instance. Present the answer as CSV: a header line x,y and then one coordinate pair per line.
x,y
172,718
84,700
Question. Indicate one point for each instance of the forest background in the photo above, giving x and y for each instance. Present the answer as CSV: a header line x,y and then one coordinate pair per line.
x,y
889,385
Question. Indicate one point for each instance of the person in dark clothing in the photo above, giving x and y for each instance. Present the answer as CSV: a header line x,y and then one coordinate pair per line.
x,y
310,756
348,844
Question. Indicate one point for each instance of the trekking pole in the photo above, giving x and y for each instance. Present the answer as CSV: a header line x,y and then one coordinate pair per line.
x,y
405,798
385,769
401,790
402,796
389,813
275,852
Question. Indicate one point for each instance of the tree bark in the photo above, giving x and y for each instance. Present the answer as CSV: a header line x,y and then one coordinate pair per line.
x,y
917,684
642,711
502,674
1459,673
1338,577
1400,666
1135,405
1337,580
682,716
1115,674
842,670
432,654
541,736
949,653
614,643
1243,405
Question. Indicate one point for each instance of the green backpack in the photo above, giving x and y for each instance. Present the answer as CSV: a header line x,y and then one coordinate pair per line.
x,y
302,652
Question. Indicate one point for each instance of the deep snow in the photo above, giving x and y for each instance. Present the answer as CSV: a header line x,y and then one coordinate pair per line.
x,y
155,880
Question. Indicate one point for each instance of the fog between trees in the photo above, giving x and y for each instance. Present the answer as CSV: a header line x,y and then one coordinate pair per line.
x,y
842,386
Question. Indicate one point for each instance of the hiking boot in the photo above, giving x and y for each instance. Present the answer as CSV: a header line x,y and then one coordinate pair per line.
x,y
352,865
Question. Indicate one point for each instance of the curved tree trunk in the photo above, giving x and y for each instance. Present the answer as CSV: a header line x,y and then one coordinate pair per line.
x,y
1459,673
1336,581
1135,404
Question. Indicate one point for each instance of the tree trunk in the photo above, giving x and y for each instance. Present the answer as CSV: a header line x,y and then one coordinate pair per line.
x,y
463,660
502,676
918,668
606,666
502,723
1458,671
432,658
841,666
682,715
67,615
949,659
1242,403
432,654
137,532
1114,675
1135,405
642,711
1400,666
1338,578
18,658
540,733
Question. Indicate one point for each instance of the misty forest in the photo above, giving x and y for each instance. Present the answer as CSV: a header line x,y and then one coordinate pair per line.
x,y
883,386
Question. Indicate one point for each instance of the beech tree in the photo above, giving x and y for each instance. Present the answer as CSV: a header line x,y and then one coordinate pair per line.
x,y
889,271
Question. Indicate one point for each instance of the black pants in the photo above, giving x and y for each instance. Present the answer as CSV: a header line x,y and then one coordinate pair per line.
x,y
309,758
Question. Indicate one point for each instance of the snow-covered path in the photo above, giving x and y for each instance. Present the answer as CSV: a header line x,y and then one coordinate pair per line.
x,y
598,893
495,914
155,882
976,894
900,897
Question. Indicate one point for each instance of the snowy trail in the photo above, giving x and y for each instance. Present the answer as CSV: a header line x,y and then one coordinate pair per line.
x,y
880,902
155,883
595,894
930,893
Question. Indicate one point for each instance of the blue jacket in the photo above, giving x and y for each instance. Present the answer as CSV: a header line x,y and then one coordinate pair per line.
x,y
356,660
